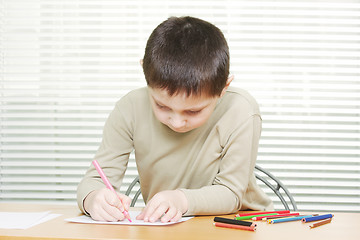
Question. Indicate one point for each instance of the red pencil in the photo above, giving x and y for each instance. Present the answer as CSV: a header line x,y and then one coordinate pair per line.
x,y
226,225
259,213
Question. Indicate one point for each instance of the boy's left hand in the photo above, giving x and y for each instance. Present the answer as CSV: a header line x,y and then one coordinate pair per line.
x,y
168,206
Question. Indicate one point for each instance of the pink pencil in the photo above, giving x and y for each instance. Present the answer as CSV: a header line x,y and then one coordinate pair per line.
x,y
108,184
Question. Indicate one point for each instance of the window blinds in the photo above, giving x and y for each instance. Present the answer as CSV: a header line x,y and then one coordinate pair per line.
x,y
64,64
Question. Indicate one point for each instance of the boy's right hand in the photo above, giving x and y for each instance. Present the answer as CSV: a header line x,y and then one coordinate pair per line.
x,y
104,205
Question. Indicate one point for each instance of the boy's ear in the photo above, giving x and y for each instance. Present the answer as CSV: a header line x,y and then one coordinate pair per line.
x,y
141,62
228,81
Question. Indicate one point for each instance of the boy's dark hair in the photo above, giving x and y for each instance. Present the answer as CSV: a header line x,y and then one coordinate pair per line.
x,y
188,55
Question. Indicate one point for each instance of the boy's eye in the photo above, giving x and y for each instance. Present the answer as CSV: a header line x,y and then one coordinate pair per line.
x,y
161,107
193,112
188,112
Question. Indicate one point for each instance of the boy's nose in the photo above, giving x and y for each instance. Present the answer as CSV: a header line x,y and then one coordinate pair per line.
x,y
177,121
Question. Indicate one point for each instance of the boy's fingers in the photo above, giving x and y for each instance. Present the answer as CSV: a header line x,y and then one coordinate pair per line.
x,y
104,205
114,212
126,201
140,216
170,214
105,216
158,212
102,215
177,217
147,212
114,200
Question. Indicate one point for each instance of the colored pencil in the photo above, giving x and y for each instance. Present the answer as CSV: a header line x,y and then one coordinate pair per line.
x,y
225,225
289,219
251,216
259,213
316,218
321,223
233,221
277,216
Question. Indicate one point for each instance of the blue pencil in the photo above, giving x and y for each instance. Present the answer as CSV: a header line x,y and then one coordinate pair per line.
x,y
289,219
316,218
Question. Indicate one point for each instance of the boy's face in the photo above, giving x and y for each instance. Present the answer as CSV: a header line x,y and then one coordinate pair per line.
x,y
180,112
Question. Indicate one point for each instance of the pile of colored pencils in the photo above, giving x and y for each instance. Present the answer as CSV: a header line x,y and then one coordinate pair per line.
x,y
272,217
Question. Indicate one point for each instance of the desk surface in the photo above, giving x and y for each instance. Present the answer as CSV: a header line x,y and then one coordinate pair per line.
x,y
343,226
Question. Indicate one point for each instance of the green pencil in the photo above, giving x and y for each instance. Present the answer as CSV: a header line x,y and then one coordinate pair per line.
x,y
255,215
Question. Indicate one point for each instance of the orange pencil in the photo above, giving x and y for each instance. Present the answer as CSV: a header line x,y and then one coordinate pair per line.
x,y
226,225
321,223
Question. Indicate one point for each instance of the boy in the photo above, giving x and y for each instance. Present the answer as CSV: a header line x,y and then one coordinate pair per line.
x,y
195,139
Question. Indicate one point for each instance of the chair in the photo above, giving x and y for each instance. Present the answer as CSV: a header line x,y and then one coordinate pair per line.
x,y
276,187
130,188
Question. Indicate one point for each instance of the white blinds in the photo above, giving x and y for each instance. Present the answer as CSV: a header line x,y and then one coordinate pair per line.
x,y
63,65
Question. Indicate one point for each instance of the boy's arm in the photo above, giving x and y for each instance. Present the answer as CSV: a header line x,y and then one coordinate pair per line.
x,y
112,155
235,177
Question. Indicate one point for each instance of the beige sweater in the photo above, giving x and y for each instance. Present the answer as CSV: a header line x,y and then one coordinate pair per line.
x,y
213,164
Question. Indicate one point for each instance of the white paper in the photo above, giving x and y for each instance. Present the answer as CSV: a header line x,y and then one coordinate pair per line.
x,y
24,220
133,214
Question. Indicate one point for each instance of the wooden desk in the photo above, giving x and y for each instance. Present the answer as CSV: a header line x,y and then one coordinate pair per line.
x,y
343,226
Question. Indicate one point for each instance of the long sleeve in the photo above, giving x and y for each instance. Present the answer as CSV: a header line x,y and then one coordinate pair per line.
x,y
112,155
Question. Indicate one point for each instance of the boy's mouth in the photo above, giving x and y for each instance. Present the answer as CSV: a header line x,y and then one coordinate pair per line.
x,y
179,130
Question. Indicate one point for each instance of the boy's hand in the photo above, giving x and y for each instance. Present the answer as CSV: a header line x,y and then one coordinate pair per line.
x,y
168,206
104,205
